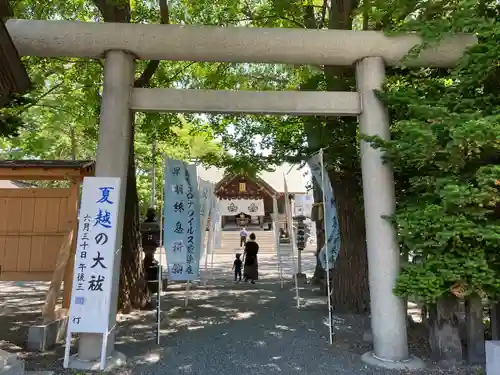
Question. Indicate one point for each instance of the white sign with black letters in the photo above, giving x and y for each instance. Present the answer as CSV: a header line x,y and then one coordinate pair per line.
x,y
94,258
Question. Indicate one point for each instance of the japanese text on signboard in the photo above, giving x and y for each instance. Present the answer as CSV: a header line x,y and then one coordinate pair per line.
x,y
94,255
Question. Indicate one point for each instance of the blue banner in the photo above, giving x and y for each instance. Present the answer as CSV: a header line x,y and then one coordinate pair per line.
x,y
331,251
182,221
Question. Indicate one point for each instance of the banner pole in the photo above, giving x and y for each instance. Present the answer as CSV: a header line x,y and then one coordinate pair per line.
x,y
210,239
327,253
186,297
160,268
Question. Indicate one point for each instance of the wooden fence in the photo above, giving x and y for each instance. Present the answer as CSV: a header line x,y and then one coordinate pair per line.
x,y
33,224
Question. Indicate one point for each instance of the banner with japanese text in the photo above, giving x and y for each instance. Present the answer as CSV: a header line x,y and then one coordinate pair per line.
x,y
206,192
182,229
320,176
95,255
276,230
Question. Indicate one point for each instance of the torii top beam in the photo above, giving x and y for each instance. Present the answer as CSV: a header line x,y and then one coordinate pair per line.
x,y
227,44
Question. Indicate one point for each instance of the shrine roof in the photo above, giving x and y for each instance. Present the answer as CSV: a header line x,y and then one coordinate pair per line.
x,y
45,169
297,178
46,163
13,76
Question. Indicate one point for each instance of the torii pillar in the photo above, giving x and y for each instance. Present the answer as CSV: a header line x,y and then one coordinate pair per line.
x,y
113,151
388,313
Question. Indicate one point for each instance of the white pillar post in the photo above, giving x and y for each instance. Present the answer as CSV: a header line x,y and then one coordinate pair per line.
x,y
113,151
388,313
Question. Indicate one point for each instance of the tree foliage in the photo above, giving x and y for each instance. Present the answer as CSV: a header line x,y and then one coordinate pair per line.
x,y
444,124
446,155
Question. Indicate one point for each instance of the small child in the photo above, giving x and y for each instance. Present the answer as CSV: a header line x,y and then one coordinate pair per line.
x,y
237,265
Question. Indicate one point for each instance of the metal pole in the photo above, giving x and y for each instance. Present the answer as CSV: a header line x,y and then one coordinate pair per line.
x,y
211,228
153,175
299,258
160,268
327,253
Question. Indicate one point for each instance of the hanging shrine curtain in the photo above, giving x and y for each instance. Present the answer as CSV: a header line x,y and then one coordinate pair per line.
x,y
252,207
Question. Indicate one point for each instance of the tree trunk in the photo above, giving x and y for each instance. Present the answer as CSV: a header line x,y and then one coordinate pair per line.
x,y
350,276
444,335
133,288
474,340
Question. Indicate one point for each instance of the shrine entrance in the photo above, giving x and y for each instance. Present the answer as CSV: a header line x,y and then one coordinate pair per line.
x,y
369,51
237,213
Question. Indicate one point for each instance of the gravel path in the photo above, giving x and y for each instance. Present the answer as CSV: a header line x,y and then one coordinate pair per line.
x,y
227,329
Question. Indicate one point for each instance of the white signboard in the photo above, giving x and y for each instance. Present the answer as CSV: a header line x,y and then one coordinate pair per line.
x,y
232,207
94,258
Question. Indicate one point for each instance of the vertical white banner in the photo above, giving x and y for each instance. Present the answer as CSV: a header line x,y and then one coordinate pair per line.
x,y
206,191
218,227
277,238
289,219
95,255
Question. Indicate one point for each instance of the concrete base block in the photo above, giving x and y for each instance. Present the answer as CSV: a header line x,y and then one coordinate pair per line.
x,y
43,337
10,365
492,357
413,363
115,360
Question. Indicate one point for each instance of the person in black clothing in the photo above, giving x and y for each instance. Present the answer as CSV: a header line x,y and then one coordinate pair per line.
x,y
237,265
251,269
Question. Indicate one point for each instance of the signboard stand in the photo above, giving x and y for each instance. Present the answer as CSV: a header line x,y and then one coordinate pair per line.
x,y
103,350
90,310
186,297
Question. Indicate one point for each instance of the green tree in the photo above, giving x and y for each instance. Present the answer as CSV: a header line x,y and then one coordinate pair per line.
x,y
60,118
446,154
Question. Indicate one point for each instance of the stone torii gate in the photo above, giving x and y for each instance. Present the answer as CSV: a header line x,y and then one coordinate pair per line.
x,y
370,51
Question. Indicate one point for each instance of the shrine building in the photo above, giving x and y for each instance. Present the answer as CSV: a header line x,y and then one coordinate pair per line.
x,y
246,200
